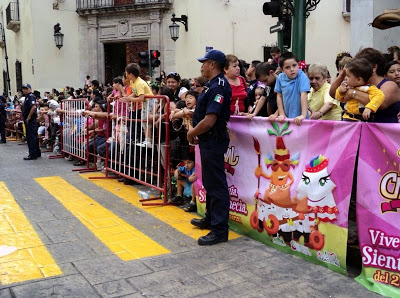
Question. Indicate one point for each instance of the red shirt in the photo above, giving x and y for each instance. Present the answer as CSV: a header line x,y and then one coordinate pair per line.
x,y
99,124
239,94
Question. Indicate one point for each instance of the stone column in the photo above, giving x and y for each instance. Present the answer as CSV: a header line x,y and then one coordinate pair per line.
x,y
93,47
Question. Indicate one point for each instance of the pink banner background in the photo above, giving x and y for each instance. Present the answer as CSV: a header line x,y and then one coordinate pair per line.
x,y
337,141
378,156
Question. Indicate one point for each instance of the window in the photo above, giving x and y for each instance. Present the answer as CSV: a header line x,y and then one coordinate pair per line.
x,y
18,74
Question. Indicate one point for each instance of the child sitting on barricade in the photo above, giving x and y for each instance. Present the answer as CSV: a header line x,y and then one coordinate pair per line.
x,y
147,124
185,175
140,89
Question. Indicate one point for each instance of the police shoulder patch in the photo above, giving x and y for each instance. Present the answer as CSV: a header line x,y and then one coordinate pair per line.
x,y
219,98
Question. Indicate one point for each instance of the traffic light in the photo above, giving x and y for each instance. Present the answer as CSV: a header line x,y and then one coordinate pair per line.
x,y
154,61
287,32
143,59
272,8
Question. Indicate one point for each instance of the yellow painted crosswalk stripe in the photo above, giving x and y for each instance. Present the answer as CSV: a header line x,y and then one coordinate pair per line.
x,y
121,238
175,217
31,259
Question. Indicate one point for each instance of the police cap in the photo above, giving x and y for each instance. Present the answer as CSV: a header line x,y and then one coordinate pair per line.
x,y
214,55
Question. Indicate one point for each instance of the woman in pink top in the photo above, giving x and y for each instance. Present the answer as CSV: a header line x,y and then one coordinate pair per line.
x,y
238,85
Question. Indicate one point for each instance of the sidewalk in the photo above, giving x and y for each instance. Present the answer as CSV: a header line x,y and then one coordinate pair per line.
x,y
92,263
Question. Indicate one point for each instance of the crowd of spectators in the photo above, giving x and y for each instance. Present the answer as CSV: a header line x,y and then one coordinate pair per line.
x,y
366,88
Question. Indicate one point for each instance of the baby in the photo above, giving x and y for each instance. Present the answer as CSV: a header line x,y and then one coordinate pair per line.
x,y
358,73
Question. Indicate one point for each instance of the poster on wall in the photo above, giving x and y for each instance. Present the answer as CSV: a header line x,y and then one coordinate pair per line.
x,y
290,185
378,207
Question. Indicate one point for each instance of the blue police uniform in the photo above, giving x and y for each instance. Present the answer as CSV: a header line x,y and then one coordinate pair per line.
x,y
3,117
215,99
31,126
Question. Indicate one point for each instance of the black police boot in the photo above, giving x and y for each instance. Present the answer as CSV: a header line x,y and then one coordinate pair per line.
x,y
30,158
211,239
202,223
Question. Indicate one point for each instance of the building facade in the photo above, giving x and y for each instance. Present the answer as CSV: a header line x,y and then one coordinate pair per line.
x,y
29,37
102,36
112,33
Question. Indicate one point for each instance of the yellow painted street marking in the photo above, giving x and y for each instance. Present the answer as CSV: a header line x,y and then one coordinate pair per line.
x,y
121,238
31,259
171,215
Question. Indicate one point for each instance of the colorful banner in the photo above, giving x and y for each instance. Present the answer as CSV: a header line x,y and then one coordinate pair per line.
x,y
378,207
290,185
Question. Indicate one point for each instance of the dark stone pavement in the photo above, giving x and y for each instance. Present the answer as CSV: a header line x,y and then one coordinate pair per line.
x,y
238,268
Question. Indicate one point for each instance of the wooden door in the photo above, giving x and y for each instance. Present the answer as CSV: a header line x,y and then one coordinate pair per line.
x,y
107,61
133,48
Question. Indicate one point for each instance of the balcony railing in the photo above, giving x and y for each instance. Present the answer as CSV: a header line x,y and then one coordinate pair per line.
x,y
99,4
12,16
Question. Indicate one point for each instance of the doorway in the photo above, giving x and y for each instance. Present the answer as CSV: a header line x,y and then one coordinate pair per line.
x,y
115,61
118,55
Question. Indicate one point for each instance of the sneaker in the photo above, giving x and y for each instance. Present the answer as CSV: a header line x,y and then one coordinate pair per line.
x,y
191,207
80,163
187,200
177,200
146,144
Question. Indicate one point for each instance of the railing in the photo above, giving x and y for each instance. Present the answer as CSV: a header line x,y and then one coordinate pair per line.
x,y
12,12
95,4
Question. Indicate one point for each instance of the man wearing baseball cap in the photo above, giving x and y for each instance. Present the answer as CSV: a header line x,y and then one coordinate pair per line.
x,y
30,115
209,120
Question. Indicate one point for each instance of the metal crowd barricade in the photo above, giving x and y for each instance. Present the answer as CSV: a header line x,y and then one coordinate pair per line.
x,y
137,146
74,128
13,118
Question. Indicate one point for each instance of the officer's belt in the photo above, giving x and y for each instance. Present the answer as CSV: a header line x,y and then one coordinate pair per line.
x,y
213,133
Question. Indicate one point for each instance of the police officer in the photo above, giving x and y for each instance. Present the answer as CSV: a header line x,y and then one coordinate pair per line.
x,y
30,118
3,117
209,120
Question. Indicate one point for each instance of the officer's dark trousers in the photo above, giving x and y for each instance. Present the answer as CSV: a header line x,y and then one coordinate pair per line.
x,y
2,130
32,137
214,180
